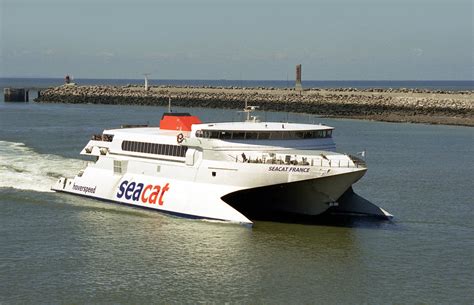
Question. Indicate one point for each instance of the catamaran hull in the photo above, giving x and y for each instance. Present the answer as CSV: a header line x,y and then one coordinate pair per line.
x,y
305,197
208,201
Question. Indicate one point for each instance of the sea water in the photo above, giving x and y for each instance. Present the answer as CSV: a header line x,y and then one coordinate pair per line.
x,y
59,248
452,85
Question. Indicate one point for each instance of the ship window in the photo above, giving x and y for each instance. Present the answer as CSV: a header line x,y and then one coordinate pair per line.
x,y
206,134
264,135
299,134
153,148
251,135
238,135
275,135
225,135
117,167
108,137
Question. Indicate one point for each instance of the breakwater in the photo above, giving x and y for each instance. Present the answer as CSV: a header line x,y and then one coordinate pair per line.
x,y
397,105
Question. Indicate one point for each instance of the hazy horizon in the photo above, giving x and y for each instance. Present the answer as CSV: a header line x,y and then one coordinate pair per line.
x,y
336,40
291,80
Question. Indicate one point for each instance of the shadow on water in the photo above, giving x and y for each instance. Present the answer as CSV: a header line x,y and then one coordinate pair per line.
x,y
327,219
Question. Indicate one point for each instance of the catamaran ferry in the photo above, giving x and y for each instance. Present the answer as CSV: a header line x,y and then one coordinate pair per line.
x,y
222,171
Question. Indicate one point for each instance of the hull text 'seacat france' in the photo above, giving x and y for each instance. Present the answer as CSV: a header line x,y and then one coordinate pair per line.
x,y
222,171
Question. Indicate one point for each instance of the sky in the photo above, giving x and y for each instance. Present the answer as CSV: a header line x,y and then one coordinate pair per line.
x,y
238,39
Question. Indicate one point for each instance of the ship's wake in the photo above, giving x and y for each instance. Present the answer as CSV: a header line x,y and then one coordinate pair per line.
x,y
23,168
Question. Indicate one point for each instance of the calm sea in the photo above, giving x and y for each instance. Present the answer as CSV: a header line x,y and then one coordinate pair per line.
x,y
58,248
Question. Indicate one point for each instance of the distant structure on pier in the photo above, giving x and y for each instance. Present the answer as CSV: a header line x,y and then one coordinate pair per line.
x,y
69,80
298,86
146,80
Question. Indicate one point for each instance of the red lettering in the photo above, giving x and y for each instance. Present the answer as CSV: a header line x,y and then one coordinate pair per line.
x,y
144,198
154,195
146,194
165,188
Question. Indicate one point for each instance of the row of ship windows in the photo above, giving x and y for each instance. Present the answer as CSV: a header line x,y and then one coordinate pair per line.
x,y
103,137
263,135
153,148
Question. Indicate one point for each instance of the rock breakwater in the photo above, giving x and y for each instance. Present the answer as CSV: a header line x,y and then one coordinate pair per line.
x,y
397,105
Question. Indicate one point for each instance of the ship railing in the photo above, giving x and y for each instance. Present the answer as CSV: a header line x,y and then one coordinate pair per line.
x,y
321,161
358,161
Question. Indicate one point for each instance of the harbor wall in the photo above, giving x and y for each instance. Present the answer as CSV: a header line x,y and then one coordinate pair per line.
x,y
15,95
396,105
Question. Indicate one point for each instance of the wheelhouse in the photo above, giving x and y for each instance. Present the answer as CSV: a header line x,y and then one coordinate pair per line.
x,y
263,135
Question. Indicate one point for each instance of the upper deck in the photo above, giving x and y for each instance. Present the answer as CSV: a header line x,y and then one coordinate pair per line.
x,y
178,132
259,126
261,131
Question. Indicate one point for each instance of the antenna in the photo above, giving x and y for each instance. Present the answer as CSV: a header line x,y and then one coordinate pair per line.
x,y
248,109
169,103
146,80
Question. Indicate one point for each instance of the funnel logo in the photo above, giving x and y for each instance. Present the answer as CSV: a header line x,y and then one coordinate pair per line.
x,y
150,193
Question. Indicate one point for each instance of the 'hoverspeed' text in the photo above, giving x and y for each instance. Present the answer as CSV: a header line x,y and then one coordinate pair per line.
x,y
84,189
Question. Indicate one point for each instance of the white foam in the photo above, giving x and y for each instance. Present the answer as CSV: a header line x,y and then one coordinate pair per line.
x,y
23,168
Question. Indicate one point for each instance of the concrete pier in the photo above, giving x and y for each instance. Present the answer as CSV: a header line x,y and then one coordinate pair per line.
x,y
394,105
15,95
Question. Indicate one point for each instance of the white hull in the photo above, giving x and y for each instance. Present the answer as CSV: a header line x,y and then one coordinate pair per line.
x,y
194,191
